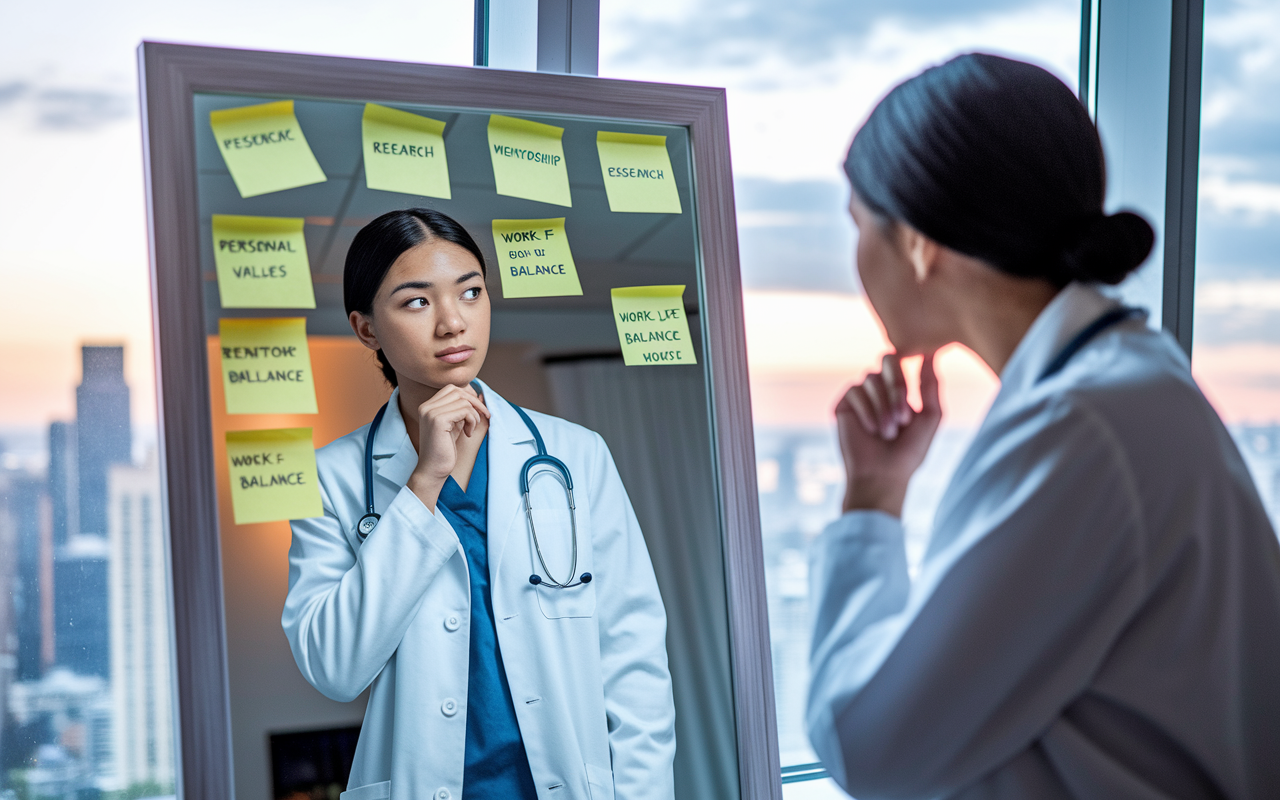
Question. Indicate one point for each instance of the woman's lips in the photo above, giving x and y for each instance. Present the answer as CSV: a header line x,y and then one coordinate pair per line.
x,y
455,355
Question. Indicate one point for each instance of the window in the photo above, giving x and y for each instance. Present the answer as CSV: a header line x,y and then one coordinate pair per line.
x,y
1236,354
799,85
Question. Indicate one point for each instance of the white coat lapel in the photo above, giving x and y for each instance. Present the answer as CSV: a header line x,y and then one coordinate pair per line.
x,y
510,445
394,456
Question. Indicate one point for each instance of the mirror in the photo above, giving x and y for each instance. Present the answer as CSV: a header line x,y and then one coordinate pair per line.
x,y
561,354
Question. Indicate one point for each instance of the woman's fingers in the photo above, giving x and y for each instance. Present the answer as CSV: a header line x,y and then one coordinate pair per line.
x,y
878,393
896,386
452,393
855,400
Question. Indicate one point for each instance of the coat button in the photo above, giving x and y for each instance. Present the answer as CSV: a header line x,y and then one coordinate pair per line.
x,y
452,623
443,794
449,707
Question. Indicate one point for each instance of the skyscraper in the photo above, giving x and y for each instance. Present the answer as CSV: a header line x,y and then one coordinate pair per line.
x,y
103,435
80,606
139,614
63,468
25,503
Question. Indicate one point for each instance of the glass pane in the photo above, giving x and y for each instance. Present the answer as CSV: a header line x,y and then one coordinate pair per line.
x,y
559,354
1236,354
798,86
85,693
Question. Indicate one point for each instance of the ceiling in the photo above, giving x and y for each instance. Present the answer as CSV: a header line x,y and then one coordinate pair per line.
x,y
609,249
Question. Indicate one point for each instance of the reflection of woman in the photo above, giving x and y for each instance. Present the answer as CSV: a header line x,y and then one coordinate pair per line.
x,y
1098,611
485,685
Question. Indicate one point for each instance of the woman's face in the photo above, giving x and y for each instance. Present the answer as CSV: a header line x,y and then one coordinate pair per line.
x,y
891,282
430,316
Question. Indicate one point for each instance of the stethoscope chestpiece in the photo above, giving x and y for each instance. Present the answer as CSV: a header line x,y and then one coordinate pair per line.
x,y
366,525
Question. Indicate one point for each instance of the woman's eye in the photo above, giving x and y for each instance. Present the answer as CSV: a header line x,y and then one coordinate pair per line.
x,y
472,293
417,302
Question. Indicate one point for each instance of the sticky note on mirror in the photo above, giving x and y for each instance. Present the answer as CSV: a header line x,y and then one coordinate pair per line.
x,y
266,366
637,173
404,152
264,148
528,160
262,262
652,326
273,475
534,258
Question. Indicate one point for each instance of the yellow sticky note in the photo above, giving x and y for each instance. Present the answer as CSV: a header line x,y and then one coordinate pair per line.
x,y
273,475
652,327
266,366
637,173
264,148
404,152
262,262
534,258
528,160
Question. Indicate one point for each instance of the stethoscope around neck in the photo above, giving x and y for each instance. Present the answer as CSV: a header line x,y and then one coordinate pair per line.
x,y
370,520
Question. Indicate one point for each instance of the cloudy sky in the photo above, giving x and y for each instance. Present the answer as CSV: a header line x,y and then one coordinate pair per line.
x,y
72,225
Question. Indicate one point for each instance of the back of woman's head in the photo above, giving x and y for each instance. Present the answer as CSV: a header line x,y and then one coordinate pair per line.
x,y
998,160
377,246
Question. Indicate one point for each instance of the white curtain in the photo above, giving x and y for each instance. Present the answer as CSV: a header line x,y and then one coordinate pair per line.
x,y
655,421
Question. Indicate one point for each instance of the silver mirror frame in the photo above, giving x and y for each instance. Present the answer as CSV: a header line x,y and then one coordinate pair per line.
x,y
169,76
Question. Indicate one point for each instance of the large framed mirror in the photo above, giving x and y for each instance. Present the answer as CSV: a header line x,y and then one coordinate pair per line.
x,y
261,169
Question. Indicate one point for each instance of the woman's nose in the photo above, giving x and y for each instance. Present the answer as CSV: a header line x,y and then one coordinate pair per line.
x,y
450,321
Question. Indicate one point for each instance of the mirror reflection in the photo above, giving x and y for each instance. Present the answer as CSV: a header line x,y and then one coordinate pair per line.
x,y
532,323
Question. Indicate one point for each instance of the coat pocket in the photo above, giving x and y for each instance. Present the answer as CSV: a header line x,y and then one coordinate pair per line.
x,y
372,791
555,541
600,782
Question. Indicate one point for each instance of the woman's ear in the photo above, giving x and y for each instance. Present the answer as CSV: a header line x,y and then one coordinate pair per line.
x,y
362,324
921,251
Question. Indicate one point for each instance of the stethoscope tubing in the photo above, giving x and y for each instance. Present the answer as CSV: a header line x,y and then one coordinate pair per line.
x,y
370,519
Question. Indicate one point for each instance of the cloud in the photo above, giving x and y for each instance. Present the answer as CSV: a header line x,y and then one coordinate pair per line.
x,y
11,92
80,109
1253,295
66,108
1255,200
802,31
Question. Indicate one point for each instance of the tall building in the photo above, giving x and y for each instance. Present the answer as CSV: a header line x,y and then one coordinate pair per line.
x,y
27,507
80,605
63,469
8,619
139,614
103,435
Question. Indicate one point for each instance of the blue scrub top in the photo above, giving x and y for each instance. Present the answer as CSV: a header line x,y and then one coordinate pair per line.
x,y
496,765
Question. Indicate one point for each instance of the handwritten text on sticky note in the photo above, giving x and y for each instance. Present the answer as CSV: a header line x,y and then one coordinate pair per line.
x,y
266,366
262,262
534,258
637,173
404,152
528,160
264,148
652,326
273,475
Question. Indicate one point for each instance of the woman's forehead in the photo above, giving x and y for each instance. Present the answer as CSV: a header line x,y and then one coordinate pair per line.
x,y
434,261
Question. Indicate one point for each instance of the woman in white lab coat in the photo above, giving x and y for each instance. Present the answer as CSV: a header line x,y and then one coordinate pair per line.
x,y
1097,614
489,681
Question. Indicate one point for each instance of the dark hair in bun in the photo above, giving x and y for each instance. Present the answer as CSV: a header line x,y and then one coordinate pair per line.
x,y
998,160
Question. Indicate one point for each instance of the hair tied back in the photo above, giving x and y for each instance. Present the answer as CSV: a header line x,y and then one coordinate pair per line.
x,y
1107,247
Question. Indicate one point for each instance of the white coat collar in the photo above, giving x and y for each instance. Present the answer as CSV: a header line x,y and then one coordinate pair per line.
x,y
395,458
1070,312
